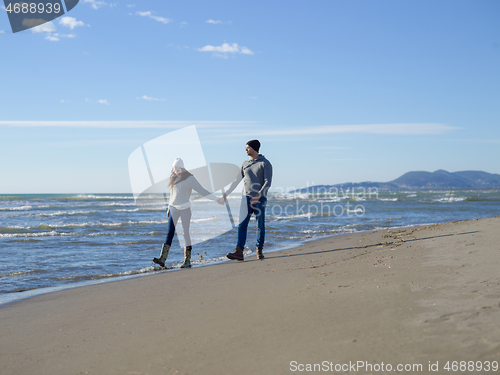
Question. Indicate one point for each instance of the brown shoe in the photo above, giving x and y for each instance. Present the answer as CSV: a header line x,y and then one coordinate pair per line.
x,y
237,254
259,253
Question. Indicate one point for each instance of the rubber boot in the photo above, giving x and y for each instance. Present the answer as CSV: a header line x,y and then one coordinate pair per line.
x,y
259,253
237,254
164,254
187,257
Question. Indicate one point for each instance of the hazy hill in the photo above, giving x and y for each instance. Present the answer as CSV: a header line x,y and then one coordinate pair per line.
x,y
439,179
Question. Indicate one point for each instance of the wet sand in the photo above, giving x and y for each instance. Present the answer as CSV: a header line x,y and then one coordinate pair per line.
x,y
414,296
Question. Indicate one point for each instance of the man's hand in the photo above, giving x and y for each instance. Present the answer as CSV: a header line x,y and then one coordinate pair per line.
x,y
222,200
255,199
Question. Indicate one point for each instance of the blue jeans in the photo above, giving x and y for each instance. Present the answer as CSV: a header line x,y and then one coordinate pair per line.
x,y
259,210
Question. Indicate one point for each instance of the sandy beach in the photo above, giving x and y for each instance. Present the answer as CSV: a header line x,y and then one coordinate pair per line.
x,y
422,296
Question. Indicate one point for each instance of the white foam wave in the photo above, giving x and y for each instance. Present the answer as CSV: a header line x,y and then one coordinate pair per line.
x,y
38,234
92,196
66,213
19,208
450,199
212,218
308,215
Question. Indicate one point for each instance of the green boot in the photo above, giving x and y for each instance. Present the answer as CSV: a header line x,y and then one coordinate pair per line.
x,y
164,254
187,257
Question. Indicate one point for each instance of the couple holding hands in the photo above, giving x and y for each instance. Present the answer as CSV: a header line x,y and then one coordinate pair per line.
x,y
256,172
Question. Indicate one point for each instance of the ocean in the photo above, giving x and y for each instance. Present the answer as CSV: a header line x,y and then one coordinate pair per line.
x,y
54,242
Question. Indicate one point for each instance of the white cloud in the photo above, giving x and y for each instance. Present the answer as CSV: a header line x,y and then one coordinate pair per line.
x,y
176,46
395,129
52,37
70,22
95,4
2,32
213,22
156,18
226,48
48,28
145,97
128,124
332,148
182,24
103,101
41,27
55,37
130,5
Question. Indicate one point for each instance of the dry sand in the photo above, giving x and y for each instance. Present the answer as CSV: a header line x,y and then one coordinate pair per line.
x,y
429,294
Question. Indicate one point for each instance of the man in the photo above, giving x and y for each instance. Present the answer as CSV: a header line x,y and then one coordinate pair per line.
x,y
257,173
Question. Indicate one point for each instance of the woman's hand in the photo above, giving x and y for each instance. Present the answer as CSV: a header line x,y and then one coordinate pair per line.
x,y
222,200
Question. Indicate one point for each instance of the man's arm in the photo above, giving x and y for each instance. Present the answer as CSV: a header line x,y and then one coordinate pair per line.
x,y
233,185
268,178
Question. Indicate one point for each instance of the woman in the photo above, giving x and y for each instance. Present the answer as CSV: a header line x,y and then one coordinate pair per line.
x,y
181,185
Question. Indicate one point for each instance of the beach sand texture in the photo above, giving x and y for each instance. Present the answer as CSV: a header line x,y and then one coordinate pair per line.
x,y
408,296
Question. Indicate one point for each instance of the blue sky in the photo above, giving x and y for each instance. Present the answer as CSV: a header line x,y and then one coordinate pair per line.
x,y
335,90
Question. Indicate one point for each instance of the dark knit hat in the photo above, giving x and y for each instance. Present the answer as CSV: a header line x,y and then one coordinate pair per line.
x,y
255,144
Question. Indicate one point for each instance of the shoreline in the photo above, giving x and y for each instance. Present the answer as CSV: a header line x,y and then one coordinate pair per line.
x,y
420,295
20,296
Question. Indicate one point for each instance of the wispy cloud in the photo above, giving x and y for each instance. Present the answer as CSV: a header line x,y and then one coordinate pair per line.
x,y
55,37
50,29
332,148
145,97
103,101
176,46
95,4
39,26
128,124
70,22
396,129
213,22
226,49
2,32
156,18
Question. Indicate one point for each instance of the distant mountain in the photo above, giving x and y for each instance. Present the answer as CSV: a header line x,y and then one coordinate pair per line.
x,y
439,179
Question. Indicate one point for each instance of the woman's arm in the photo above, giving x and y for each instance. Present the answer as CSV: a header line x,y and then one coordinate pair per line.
x,y
201,190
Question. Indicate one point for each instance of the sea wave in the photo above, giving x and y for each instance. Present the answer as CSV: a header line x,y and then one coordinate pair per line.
x,y
65,213
298,216
36,234
19,208
21,273
450,199
103,197
212,218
